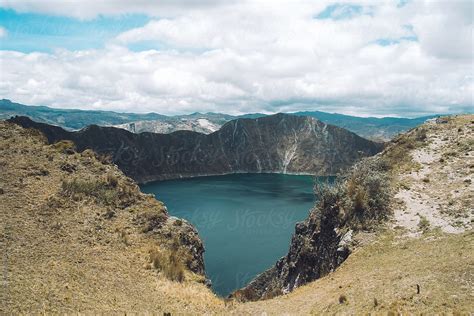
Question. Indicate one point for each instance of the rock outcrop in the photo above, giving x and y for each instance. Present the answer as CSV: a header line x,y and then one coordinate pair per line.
x,y
279,143
318,247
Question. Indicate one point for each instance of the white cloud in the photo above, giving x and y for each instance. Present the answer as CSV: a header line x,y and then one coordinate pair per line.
x,y
261,56
445,29
3,32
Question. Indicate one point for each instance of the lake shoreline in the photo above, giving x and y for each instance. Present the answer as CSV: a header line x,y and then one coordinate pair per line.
x,y
244,220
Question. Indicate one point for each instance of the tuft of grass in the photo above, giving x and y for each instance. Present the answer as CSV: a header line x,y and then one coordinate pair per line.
x,y
420,134
178,222
151,220
106,190
112,180
168,262
424,224
65,147
97,189
124,237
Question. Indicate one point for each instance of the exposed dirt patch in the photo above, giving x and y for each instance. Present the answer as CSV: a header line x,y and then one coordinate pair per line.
x,y
440,188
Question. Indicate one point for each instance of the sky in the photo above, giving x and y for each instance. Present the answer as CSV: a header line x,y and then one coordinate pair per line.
x,y
367,58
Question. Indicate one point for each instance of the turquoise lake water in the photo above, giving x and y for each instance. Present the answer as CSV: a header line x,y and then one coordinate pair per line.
x,y
245,220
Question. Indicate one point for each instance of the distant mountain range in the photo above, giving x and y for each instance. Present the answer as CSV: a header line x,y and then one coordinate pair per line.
x,y
380,129
280,143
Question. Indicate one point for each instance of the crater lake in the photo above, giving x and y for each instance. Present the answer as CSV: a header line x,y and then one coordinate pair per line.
x,y
244,220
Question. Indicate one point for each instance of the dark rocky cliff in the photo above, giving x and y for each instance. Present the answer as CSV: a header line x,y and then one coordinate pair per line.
x,y
278,143
318,246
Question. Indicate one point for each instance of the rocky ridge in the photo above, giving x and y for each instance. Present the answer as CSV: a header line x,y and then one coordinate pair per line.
x,y
280,143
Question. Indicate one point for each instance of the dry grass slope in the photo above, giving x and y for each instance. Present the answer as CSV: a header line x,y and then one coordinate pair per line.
x,y
76,236
382,278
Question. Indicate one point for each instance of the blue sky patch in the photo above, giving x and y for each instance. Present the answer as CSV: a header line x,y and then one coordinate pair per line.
x,y
342,12
390,41
402,3
28,32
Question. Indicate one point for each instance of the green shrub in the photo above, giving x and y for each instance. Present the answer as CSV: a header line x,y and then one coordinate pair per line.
x,y
361,198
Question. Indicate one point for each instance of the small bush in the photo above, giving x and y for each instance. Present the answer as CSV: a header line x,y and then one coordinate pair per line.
x,y
169,263
69,168
420,134
367,191
65,147
112,180
151,220
124,237
106,159
424,224
404,186
246,294
361,198
342,299
450,154
273,293
88,153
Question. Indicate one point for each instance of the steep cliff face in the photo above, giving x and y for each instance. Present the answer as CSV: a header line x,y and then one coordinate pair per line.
x,y
318,247
277,143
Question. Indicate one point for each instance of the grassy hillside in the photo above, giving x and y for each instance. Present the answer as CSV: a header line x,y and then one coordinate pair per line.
x,y
78,236
382,277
